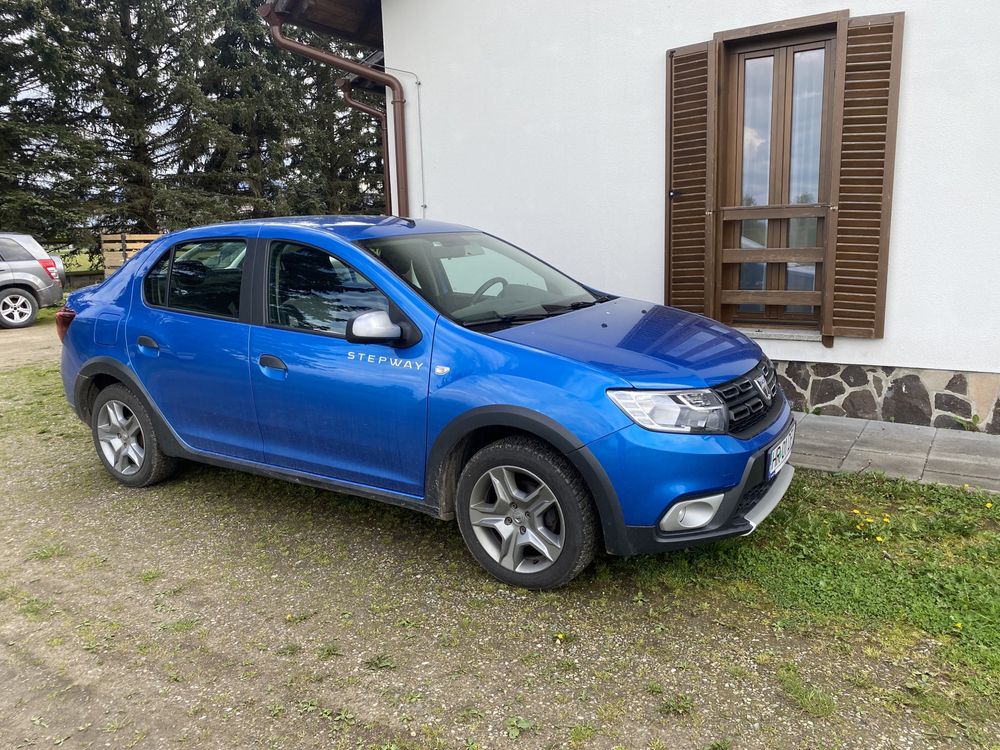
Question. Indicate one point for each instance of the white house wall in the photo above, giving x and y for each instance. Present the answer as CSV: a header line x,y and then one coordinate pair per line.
x,y
543,122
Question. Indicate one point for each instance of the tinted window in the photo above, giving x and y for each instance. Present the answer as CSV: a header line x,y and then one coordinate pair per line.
x,y
203,277
310,289
11,251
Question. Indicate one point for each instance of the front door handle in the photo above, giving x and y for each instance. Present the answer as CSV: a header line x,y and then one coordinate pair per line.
x,y
272,362
272,367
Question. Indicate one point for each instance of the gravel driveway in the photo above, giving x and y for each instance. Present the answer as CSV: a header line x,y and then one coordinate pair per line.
x,y
224,610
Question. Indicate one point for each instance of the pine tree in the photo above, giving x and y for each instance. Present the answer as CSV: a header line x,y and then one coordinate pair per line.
x,y
145,115
336,161
47,157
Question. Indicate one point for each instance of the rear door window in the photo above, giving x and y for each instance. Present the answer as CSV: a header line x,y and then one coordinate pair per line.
x,y
312,290
200,277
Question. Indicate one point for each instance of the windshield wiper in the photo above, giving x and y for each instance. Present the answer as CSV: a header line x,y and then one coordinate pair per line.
x,y
508,319
579,305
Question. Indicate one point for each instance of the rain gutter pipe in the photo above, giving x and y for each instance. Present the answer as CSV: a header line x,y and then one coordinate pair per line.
x,y
275,22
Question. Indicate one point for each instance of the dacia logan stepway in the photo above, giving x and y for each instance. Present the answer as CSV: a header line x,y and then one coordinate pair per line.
x,y
435,367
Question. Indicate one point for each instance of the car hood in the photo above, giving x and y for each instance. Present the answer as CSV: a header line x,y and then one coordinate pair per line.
x,y
650,346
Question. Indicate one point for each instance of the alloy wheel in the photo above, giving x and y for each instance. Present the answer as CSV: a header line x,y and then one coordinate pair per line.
x,y
120,437
15,308
517,519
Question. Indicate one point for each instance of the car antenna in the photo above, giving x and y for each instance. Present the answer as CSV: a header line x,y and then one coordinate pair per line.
x,y
396,219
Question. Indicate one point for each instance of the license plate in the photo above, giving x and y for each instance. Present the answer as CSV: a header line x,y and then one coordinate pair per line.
x,y
777,456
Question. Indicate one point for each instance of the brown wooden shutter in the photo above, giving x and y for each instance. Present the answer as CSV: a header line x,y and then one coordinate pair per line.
x,y
689,282
867,95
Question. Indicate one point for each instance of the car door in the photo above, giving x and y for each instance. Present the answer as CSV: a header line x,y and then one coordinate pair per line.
x,y
347,411
188,337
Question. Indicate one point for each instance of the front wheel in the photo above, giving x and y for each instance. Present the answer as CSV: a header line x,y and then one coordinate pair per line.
x,y
525,514
126,440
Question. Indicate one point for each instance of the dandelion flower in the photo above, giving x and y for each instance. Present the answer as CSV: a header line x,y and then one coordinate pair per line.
x,y
856,512
989,505
879,539
958,626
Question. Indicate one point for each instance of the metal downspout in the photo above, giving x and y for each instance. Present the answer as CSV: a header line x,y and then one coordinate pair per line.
x,y
345,88
275,22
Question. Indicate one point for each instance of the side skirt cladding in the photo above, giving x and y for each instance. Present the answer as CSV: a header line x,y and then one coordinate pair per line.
x,y
88,382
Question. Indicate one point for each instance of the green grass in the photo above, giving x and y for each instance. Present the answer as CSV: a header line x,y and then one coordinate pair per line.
x,y
810,699
925,561
680,704
183,625
327,651
148,576
56,549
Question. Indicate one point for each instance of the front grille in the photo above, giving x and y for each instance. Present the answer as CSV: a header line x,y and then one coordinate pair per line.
x,y
744,399
750,497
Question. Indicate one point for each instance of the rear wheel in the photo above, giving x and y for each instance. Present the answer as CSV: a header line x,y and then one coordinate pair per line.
x,y
525,514
125,439
18,308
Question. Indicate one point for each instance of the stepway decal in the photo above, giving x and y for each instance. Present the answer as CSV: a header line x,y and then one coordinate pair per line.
x,y
406,364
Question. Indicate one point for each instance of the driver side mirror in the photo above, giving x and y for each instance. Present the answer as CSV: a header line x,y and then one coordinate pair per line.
x,y
376,327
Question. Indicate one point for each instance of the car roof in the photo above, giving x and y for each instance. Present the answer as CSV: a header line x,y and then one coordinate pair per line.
x,y
351,228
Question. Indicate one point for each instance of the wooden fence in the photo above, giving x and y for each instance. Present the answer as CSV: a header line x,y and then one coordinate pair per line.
x,y
118,248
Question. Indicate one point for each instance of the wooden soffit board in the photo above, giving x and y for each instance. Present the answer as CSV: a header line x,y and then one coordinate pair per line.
x,y
358,21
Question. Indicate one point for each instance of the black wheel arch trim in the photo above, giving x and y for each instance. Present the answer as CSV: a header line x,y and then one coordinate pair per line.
x,y
545,428
169,442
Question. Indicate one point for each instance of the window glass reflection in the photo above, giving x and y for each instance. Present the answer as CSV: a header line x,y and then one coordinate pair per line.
x,y
758,75
807,121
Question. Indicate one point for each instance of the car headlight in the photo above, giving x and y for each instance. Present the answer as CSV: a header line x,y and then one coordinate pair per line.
x,y
674,411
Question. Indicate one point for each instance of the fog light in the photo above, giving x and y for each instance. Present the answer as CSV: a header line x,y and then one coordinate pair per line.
x,y
691,514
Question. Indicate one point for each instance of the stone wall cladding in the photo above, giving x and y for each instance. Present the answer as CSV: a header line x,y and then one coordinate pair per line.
x,y
941,398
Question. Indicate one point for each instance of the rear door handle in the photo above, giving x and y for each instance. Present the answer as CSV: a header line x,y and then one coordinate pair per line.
x,y
147,345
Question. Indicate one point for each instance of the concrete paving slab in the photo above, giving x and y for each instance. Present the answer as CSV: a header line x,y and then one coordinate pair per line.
x,y
940,477
893,464
971,444
888,437
806,461
963,465
826,436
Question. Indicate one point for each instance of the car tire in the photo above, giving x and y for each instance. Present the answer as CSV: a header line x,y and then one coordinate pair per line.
x,y
525,514
126,440
18,308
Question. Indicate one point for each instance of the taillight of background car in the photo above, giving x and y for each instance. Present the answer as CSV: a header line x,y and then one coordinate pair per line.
x,y
63,318
50,266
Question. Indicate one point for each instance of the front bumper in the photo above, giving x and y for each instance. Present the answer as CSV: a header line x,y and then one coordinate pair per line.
x,y
652,472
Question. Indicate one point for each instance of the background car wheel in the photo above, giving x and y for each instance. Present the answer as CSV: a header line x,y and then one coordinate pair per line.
x,y
18,309
525,514
125,439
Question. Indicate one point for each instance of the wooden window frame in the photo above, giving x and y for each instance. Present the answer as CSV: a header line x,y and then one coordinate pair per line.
x,y
782,48
863,109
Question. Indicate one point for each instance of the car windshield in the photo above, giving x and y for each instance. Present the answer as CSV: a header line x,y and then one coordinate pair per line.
x,y
478,280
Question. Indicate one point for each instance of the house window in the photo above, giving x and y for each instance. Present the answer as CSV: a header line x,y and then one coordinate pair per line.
x,y
779,173
778,102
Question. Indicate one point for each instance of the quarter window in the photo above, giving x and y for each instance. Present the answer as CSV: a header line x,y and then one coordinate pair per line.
x,y
314,291
201,277
11,251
